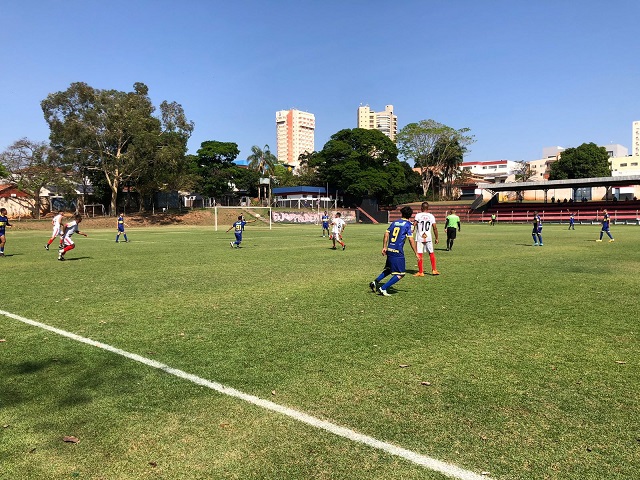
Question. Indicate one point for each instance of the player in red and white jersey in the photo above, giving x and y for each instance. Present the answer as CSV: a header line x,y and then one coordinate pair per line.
x,y
69,229
56,223
425,222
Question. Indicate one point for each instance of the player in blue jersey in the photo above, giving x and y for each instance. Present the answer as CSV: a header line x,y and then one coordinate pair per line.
x,y
121,231
606,222
536,233
572,221
238,228
4,223
393,248
325,223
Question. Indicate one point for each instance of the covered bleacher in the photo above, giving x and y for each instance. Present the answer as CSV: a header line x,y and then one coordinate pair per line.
x,y
584,209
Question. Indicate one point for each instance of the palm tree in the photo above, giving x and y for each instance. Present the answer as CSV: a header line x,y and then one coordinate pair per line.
x,y
262,160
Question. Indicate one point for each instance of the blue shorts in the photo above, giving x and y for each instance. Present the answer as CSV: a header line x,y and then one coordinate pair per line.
x,y
238,237
396,264
325,225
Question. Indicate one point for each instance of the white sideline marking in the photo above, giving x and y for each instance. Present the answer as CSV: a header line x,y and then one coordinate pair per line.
x,y
417,458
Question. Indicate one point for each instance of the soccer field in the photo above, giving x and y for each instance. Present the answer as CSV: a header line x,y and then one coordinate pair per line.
x,y
517,362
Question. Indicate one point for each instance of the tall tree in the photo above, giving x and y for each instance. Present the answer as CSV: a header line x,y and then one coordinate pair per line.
x,y
262,160
215,168
32,166
168,166
586,161
432,146
113,131
361,163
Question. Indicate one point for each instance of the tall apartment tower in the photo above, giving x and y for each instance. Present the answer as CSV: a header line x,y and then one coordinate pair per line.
x,y
385,121
294,135
635,140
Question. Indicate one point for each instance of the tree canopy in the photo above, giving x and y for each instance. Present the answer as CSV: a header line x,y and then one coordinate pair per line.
x,y
586,161
32,166
435,148
361,163
117,133
262,160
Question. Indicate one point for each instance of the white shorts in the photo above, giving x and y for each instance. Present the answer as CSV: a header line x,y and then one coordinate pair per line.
x,y
67,241
423,247
55,232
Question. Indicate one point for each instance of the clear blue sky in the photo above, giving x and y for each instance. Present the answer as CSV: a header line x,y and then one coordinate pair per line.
x,y
521,75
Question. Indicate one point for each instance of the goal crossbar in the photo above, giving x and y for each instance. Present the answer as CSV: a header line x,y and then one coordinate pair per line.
x,y
255,212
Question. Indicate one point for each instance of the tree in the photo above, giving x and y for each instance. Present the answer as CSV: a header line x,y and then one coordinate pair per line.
x,y
262,160
522,172
214,153
110,130
32,166
215,168
168,166
586,161
361,163
433,147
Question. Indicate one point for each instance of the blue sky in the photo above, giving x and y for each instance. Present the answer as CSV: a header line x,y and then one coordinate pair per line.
x,y
521,75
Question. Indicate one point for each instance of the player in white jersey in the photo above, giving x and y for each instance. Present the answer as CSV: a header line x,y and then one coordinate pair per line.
x,y
425,222
56,230
69,229
337,227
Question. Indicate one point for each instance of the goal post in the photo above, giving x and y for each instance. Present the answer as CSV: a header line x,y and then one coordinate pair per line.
x,y
226,216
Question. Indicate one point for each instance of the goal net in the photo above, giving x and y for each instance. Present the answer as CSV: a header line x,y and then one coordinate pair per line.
x,y
226,216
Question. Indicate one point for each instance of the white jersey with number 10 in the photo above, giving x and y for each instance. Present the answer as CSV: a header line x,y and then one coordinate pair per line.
x,y
424,220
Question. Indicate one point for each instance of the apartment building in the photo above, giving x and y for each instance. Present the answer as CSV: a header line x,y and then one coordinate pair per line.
x,y
384,121
635,139
294,135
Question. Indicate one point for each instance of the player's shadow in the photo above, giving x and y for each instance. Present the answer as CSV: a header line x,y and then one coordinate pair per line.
x,y
12,254
75,258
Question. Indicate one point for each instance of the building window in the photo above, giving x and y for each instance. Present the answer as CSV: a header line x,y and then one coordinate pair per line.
x,y
623,164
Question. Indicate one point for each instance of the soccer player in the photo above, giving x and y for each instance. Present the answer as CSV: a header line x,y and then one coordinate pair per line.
x,y
69,229
337,227
121,226
56,230
393,248
572,222
452,225
606,221
536,233
238,228
424,223
325,223
4,222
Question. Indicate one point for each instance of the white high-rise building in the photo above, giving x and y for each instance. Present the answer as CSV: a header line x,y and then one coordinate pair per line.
x,y
294,135
385,121
635,139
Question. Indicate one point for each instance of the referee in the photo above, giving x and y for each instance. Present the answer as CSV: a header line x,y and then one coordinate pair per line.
x,y
452,226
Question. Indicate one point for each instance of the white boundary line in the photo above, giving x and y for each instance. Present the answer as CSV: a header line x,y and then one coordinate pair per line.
x,y
419,459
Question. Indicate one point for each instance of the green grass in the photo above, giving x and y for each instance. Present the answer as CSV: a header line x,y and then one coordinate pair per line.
x,y
523,347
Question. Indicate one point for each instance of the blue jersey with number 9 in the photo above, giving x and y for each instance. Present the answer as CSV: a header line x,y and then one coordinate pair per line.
x,y
398,233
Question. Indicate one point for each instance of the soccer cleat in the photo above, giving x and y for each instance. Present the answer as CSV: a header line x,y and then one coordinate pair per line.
x,y
542,244
383,292
46,247
419,274
435,272
343,247
599,240
373,286
612,240
231,243
535,244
